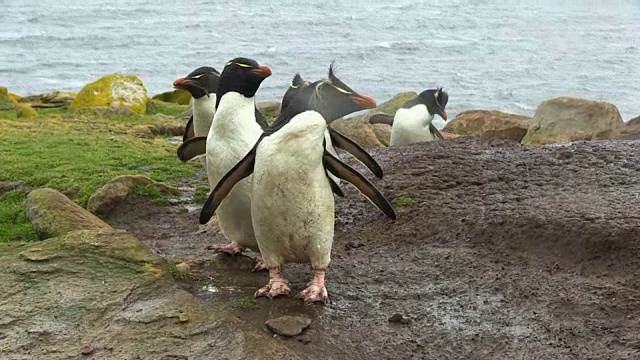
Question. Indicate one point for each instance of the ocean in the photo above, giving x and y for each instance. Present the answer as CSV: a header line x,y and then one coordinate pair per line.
x,y
503,55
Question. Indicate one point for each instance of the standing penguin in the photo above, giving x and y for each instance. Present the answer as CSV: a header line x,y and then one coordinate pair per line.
x,y
292,204
235,129
202,83
412,122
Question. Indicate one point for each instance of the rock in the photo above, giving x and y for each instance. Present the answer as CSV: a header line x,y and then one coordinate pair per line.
x,y
183,268
6,103
143,131
109,196
101,293
631,131
288,325
170,127
566,119
358,129
634,122
53,214
304,338
270,109
25,111
6,186
489,124
178,96
49,100
114,91
399,319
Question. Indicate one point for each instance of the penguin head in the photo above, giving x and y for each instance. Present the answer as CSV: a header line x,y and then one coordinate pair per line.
x,y
200,82
334,99
297,83
243,76
436,101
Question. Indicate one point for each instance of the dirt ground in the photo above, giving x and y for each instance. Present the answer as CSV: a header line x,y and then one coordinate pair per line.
x,y
508,253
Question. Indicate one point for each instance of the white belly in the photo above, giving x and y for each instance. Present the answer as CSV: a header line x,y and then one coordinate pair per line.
x,y
411,126
204,110
292,202
233,134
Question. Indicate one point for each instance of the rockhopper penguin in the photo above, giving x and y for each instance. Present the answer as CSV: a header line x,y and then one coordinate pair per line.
x,y
234,131
202,83
292,205
412,122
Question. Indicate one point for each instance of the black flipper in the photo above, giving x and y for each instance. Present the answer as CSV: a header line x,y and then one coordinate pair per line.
x,y
193,147
334,187
343,171
435,132
242,169
354,149
381,118
188,131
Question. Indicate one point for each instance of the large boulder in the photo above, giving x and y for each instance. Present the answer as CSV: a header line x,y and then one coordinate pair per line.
x,y
359,129
178,96
53,214
112,194
631,131
114,92
566,119
489,124
6,102
101,294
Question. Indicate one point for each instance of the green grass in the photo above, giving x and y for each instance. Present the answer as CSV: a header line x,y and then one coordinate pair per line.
x,y
201,194
179,275
246,304
63,150
151,192
403,201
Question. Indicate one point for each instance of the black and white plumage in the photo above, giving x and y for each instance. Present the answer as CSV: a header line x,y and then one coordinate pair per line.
x,y
413,121
292,204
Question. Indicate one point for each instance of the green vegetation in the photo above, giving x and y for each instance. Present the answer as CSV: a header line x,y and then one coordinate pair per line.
x,y
403,201
179,274
201,194
67,149
151,192
246,304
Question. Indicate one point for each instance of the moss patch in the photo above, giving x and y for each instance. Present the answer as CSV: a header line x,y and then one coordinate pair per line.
x,y
201,194
404,201
246,304
69,150
151,192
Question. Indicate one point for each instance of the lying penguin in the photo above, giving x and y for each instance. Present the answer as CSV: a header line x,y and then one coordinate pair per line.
x,y
292,205
413,121
202,84
197,146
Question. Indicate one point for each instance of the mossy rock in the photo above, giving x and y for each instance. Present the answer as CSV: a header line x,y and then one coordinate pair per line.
x,y
6,103
114,91
181,97
392,105
155,106
25,111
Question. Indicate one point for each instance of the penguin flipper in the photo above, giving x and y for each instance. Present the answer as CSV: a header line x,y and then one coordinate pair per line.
x,y
435,132
343,171
193,147
381,118
188,131
354,149
242,169
334,187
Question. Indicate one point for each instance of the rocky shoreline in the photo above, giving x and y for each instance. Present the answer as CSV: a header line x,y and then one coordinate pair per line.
x,y
516,237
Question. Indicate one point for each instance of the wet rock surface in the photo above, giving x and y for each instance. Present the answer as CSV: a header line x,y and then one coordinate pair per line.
x,y
288,325
499,251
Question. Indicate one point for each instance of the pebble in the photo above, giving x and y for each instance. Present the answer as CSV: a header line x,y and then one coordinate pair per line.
x,y
399,319
288,325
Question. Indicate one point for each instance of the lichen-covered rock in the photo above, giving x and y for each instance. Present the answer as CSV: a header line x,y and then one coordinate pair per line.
x,y
109,196
6,103
25,111
53,214
178,96
489,124
270,109
566,119
103,294
114,91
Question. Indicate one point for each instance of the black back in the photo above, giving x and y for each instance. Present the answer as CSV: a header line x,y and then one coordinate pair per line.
x,y
297,83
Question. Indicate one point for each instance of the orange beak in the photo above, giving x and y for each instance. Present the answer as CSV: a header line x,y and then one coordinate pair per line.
x,y
366,102
182,83
262,71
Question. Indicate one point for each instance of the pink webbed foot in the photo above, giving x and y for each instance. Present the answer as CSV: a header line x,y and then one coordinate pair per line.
x,y
260,264
277,285
315,291
231,248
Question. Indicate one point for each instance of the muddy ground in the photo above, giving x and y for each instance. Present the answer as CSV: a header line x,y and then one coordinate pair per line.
x,y
507,252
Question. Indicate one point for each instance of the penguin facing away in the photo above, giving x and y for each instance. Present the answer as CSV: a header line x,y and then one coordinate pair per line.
x,y
197,146
233,132
202,84
413,121
292,205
